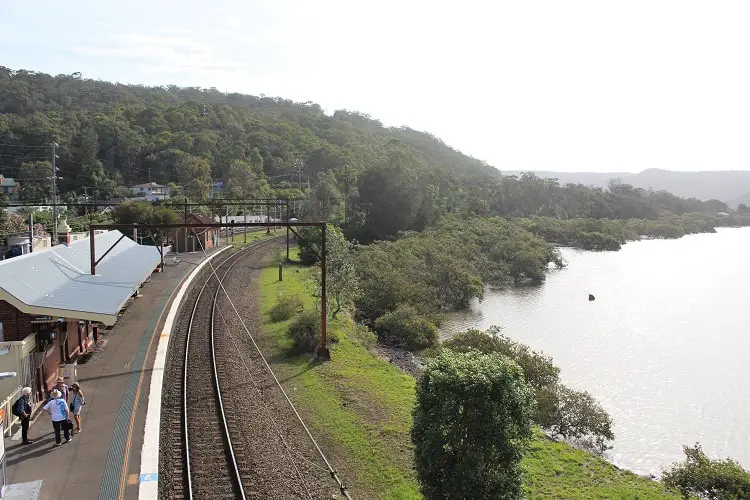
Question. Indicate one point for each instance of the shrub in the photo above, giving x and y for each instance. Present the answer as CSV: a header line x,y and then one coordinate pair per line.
x,y
406,326
574,415
472,420
537,367
285,308
305,331
700,476
363,335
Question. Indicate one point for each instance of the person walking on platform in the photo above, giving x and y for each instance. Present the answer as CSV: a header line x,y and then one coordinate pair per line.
x,y
22,409
62,387
76,403
59,411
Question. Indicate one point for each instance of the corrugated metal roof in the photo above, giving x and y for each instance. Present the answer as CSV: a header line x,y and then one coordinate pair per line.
x,y
60,279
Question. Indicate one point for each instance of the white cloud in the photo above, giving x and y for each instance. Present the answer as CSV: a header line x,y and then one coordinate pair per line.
x,y
582,84
167,53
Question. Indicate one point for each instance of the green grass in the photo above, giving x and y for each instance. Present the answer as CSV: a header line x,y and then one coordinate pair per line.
x,y
253,236
360,406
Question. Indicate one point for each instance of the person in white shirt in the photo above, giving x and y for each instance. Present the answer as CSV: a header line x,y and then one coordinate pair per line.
x,y
58,408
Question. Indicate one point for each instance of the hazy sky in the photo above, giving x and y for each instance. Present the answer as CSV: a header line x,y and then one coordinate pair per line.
x,y
552,85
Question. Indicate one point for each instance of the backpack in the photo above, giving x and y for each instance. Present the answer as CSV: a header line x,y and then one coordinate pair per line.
x,y
18,407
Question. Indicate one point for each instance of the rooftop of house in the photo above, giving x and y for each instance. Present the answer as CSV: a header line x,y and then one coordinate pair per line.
x,y
149,185
7,182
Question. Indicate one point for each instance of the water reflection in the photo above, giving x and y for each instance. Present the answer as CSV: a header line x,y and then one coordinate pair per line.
x,y
665,346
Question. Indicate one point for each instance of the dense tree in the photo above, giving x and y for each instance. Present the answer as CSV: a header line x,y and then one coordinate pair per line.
x,y
194,175
703,477
246,179
36,178
573,415
472,420
350,168
342,285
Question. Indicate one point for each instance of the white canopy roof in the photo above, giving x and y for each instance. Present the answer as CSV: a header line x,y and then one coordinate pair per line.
x,y
57,282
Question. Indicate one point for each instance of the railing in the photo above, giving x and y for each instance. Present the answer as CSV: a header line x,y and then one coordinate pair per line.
x,y
9,420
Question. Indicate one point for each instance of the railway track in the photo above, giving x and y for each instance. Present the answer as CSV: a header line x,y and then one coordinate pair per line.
x,y
205,464
228,430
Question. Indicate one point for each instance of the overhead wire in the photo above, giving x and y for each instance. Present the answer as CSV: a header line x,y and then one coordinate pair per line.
x,y
332,472
265,406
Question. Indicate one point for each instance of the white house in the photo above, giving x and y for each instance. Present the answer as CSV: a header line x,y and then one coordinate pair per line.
x,y
151,191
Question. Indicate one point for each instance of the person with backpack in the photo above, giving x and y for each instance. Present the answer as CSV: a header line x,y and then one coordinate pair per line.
x,y
58,408
22,409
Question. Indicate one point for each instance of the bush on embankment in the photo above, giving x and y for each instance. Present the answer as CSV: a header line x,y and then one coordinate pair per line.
x,y
360,405
702,477
573,415
443,268
286,307
611,234
305,331
472,421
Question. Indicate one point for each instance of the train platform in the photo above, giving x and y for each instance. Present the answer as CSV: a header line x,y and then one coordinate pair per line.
x,y
104,460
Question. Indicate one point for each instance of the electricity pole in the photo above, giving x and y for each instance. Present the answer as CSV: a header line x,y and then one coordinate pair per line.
x,y
54,195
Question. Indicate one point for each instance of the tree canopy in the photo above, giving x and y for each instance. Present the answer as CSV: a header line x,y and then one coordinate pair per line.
x,y
375,181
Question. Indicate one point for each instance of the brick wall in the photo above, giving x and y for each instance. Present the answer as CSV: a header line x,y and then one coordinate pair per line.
x,y
16,325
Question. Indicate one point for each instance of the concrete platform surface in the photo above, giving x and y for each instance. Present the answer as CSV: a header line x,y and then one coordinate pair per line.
x,y
103,461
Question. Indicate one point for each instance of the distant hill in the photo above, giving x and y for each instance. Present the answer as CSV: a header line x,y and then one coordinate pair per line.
x,y
731,186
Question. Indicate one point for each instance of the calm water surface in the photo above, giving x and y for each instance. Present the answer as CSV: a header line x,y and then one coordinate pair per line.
x,y
665,347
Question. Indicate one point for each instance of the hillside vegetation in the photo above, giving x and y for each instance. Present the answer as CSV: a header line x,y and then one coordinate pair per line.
x,y
372,180
731,186
360,405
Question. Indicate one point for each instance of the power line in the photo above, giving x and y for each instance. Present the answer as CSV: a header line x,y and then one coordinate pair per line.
x,y
21,145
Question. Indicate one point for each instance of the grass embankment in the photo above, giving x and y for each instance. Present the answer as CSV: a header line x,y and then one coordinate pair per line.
x,y
253,236
361,405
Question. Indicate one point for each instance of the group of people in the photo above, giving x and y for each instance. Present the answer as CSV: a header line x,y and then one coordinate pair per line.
x,y
64,401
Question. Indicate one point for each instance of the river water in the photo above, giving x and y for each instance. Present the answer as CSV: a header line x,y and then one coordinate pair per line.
x,y
665,347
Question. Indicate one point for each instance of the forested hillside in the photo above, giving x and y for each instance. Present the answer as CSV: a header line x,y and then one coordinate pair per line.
x,y
373,180
731,186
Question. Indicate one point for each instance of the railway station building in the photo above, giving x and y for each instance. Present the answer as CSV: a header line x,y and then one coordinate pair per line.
x,y
197,238
52,307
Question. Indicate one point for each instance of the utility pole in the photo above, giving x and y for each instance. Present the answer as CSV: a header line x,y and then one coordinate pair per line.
x,y
31,232
54,195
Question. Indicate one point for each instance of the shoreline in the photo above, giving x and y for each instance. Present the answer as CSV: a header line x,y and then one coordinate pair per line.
x,y
412,364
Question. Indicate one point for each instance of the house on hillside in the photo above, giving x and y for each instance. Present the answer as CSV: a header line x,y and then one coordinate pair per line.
x,y
150,191
9,187
198,237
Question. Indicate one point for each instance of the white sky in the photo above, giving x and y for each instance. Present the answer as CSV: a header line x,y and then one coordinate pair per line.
x,y
549,85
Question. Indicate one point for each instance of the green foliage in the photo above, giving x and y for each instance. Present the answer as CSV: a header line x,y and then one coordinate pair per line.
x,y
37,183
362,334
342,284
404,325
609,234
700,476
576,416
538,369
447,266
377,181
573,415
286,307
472,421
143,212
363,406
305,331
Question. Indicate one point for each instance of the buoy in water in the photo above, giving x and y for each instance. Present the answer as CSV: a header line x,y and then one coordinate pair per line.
x,y
591,297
